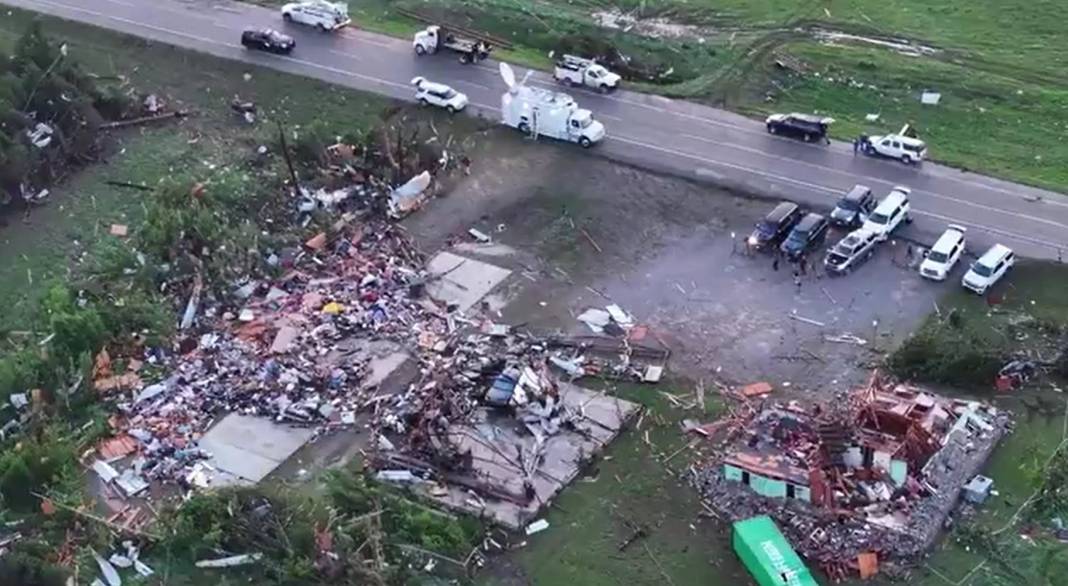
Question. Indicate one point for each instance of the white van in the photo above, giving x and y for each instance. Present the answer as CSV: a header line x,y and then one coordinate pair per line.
x,y
989,268
890,213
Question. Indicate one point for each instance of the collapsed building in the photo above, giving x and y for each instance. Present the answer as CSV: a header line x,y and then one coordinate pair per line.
x,y
870,477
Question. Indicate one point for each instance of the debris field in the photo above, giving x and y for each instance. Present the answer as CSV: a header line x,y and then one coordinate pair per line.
x,y
860,484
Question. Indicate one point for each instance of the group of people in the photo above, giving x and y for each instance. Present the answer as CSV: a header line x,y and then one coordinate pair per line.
x,y
861,144
802,267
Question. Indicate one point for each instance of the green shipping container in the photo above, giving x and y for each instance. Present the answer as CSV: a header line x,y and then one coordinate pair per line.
x,y
767,555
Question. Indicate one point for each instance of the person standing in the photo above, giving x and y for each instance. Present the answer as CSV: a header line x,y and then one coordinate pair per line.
x,y
775,262
797,281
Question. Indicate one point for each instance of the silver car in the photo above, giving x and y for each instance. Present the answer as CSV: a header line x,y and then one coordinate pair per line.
x,y
855,248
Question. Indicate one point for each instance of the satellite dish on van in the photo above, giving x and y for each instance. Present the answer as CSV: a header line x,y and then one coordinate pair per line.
x,y
507,75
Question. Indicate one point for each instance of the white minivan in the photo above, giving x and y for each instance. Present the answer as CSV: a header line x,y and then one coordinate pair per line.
x,y
989,268
890,213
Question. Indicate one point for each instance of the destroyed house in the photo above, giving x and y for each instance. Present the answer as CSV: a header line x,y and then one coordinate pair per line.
x,y
883,437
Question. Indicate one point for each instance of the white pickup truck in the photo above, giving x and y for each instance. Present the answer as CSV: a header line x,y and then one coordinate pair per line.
x,y
325,16
571,70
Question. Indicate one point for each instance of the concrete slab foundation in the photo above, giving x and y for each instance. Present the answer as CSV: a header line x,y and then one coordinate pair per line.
x,y
245,449
502,447
464,281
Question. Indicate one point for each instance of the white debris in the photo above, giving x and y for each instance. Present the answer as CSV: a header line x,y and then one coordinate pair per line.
x,y
931,98
596,319
537,526
229,562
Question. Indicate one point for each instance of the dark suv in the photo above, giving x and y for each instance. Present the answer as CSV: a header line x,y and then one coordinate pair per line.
x,y
775,226
804,126
810,230
854,207
268,40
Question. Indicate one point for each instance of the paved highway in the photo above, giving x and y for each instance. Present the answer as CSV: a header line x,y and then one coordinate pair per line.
x,y
652,132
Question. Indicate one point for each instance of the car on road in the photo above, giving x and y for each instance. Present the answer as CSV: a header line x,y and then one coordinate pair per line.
x,y
906,149
270,40
853,208
852,250
891,212
807,127
325,16
810,230
775,226
989,268
429,93
944,254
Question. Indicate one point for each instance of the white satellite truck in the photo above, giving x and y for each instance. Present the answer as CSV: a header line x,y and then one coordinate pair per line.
x,y
541,112
571,70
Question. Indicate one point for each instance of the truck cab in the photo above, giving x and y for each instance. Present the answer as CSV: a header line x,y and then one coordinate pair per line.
x,y
584,129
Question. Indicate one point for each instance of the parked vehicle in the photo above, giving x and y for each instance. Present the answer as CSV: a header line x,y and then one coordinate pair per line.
x,y
806,233
571,70
854,207
435,38
541,112
989,268
903,146
428,93
945,253
775,226
890,213
851,251
268,40
325,16
807,127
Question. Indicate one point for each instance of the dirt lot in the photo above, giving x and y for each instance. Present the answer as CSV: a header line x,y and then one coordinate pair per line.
x,y
667,256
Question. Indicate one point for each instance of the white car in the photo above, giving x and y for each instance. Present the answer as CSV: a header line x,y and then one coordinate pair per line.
x,y
906,149
429,93
325,16
944,255
989,268
890,213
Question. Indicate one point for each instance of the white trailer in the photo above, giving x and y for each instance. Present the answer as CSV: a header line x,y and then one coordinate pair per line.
x,y
571,70
541,112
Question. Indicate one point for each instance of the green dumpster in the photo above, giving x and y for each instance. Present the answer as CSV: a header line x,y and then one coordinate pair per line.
x,y
767,555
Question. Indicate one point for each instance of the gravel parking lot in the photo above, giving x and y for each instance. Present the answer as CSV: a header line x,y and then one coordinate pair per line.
x,y
582,232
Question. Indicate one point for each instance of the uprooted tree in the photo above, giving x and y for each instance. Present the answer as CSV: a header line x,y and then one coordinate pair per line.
x,y
50,112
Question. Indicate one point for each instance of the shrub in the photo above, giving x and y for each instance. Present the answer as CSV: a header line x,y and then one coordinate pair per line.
x,y
36,464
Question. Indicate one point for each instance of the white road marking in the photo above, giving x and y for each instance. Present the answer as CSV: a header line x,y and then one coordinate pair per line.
x,y
471,83
345,55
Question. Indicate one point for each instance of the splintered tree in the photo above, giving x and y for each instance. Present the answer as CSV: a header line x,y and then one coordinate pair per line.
x,y
50,111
